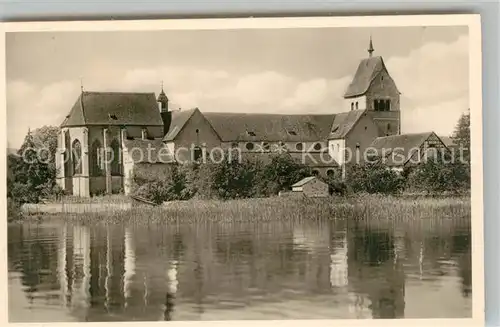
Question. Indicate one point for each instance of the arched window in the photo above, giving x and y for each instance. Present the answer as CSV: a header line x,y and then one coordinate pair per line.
x,y
357,105
77,157
96,159
116,163
299,146
352,105
249,146
68,172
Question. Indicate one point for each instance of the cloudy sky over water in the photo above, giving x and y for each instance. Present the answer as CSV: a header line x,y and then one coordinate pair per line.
x,y
280,70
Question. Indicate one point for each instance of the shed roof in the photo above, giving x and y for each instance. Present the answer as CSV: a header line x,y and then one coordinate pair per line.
x,y
367,70
114,108
304,181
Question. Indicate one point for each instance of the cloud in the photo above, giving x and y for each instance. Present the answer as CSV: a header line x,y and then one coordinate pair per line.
x,y
433,80
436,72
31,107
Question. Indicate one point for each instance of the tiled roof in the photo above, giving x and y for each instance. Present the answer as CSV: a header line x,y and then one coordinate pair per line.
x,y
367,70
270,127
344,122
114,108
179,119
304,181
400,145
448,141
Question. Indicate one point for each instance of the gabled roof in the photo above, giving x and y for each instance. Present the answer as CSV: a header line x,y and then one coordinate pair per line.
x,y
179,119
114,108
367,70
344,122
401,145
304,181
270,127
448,141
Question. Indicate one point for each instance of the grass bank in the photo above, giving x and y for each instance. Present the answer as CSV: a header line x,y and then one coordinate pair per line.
x,y
359,208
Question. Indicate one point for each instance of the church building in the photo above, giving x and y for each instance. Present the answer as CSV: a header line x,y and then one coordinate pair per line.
x,y
138,128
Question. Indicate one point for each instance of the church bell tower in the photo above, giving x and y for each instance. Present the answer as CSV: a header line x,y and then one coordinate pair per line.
x,y
166,115
374,90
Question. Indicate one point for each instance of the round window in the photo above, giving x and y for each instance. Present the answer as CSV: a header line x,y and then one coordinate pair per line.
x,y
330,173
299,146
315,172
249,146
317,146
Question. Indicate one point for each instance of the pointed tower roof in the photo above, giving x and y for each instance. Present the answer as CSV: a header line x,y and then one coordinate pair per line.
x,y
367,70
162,97
370,47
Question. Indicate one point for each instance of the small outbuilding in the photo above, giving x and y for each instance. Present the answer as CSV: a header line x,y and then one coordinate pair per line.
x,y
311,187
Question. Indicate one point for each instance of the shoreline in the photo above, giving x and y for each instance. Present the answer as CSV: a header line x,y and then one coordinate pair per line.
x,y
357,208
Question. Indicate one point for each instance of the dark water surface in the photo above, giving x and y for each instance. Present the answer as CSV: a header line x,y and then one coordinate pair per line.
x,y
279,270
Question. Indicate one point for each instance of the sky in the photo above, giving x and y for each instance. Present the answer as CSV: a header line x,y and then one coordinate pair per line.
x,y
261,70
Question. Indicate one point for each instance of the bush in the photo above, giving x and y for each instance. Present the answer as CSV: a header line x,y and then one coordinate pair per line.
x,y
438,176
374,178
279,174
13,210
223,181
160,185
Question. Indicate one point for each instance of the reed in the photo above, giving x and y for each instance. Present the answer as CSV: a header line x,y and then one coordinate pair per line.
x,y
359,208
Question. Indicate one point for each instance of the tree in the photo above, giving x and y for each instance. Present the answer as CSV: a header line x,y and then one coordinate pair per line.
x,y
30,176
46,138
461,134
440,175
280,174
374,178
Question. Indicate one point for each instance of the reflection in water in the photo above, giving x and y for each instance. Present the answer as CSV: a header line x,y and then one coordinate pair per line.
x,y
62,265
81,266
129,264
338,261
376,272
109,268
171,289
239,271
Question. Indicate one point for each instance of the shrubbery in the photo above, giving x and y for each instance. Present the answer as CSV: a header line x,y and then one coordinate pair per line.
x,y
225,180
438,177
31,177
374,178
236,180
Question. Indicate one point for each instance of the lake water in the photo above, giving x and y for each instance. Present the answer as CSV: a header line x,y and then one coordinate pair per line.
x,y
63,271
